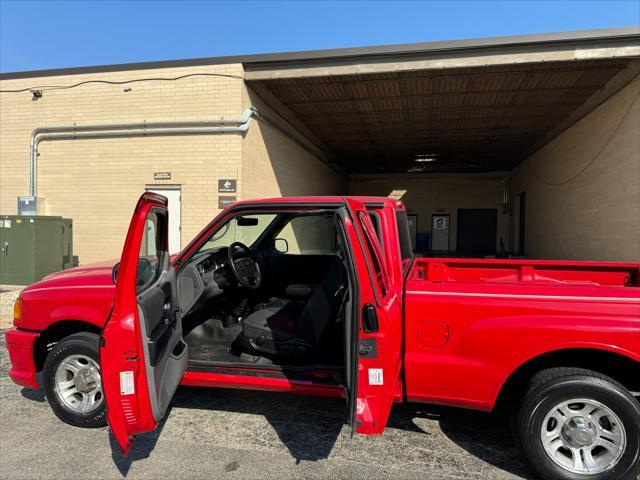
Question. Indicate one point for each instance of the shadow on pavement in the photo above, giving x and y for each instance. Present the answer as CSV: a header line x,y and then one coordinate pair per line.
x,y
37,395
307,426
310,426
486,436
141,449
32,394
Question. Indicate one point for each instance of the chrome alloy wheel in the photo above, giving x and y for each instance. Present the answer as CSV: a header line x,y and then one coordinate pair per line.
x,y
78,384
583,436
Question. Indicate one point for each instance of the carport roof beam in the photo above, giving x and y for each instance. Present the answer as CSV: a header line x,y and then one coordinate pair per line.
x,y
481,52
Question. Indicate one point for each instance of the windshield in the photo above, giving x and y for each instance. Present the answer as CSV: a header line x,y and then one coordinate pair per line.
x,y
246,229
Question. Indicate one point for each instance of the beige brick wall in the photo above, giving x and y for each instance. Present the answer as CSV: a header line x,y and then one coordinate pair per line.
x,y
595,216
427,194
96,182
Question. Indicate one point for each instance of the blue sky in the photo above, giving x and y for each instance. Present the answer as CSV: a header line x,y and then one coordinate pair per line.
x,y
53,34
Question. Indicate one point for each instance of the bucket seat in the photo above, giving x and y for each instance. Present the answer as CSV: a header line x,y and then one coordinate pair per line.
x,y
290,327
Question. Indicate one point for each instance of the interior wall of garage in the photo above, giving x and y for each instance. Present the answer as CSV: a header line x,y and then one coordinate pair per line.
x,y
429,194
583,188
97,182
278,160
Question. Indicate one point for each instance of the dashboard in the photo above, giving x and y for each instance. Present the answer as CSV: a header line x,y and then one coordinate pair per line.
x,y
204,277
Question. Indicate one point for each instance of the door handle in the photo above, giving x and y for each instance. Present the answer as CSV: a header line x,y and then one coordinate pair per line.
x,y
5,249
369,319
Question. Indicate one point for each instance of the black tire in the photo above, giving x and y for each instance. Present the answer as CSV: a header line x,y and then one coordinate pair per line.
x,y
553,386
83,343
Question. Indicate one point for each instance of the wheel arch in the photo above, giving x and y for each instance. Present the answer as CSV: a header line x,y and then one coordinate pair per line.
x,y
55,333
620,367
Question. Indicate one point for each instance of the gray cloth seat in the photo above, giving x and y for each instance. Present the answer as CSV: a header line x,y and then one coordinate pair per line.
x,y
291,327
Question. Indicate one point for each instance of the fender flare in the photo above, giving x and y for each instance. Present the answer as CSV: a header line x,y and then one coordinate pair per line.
x,y
558,348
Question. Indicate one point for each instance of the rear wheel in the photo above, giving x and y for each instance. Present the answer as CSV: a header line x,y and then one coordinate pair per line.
x,y
72,381
576,424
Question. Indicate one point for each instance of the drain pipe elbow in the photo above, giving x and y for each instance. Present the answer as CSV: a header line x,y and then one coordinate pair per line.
x,y
245,126
245,118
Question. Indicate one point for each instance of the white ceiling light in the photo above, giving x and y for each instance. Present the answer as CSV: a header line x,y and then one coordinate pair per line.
x,y
425,158
420,162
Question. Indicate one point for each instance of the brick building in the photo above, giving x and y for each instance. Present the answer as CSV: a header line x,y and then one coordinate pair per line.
x,y
532,142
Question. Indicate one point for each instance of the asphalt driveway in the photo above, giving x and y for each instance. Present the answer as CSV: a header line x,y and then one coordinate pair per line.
x,y
216,433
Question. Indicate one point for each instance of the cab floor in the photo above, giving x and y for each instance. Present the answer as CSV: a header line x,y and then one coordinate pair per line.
x,y
211,341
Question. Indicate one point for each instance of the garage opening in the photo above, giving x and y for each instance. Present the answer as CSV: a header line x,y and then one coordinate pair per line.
x,y
477,230
449,131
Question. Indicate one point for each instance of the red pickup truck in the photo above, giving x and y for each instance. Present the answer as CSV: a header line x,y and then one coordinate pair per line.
x,y
323,296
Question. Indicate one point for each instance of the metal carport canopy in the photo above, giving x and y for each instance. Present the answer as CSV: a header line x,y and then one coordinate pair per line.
x,y
469,105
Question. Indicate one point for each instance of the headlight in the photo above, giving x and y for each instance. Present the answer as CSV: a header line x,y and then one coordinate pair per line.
x,y
17,312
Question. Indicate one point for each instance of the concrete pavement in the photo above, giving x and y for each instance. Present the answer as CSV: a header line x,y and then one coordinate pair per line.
x,y
232,434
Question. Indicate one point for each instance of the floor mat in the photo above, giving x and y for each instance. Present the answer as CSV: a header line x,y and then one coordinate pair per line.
x,y
213,352
212,342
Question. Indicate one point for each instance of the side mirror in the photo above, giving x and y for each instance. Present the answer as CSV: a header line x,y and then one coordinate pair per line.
x,y
281,245
114,272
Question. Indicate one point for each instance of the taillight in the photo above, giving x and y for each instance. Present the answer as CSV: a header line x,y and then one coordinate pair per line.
x,y
17,312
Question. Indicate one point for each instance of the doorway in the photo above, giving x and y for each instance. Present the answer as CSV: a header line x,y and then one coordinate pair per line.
x,y
519,223
477,231
173,194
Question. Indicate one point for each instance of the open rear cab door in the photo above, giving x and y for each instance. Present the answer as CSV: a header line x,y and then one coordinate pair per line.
x,y
142,354
374,338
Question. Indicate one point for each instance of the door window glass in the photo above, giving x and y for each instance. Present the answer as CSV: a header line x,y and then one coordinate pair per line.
x,y
404,236
377,226
152,250
375,253
310,235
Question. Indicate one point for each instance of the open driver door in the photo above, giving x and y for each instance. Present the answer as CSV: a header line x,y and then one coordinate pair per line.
x,y
142,354
374,337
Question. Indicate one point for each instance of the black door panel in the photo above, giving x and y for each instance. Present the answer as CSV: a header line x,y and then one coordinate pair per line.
x,y
159,318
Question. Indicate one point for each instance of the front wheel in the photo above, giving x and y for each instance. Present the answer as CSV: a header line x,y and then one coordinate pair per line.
x,y
72,381
576,424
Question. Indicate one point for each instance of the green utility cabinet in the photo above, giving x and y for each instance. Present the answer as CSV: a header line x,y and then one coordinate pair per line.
x,y
33,247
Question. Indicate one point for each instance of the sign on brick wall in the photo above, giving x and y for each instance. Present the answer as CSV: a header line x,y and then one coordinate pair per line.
x,y
225,201
227,185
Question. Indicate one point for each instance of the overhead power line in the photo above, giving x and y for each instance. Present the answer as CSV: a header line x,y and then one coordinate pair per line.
x,y
46,88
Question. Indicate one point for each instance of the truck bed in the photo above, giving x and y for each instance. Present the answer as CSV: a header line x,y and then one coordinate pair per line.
x,y
471,323
532,272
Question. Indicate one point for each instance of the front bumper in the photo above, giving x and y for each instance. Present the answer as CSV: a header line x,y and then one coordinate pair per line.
x,y
20,344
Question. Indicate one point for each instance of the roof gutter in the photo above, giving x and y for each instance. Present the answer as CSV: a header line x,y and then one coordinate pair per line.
x,y
120,130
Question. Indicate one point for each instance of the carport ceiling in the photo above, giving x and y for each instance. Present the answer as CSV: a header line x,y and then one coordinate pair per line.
x,y
463,119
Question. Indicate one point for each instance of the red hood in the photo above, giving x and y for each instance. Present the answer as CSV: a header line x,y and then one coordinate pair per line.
x,y
95,274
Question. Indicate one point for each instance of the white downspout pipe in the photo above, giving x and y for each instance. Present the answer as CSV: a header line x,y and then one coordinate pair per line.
x,y
117,130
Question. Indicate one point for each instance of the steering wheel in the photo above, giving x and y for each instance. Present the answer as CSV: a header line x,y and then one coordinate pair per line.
x,y
244,266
